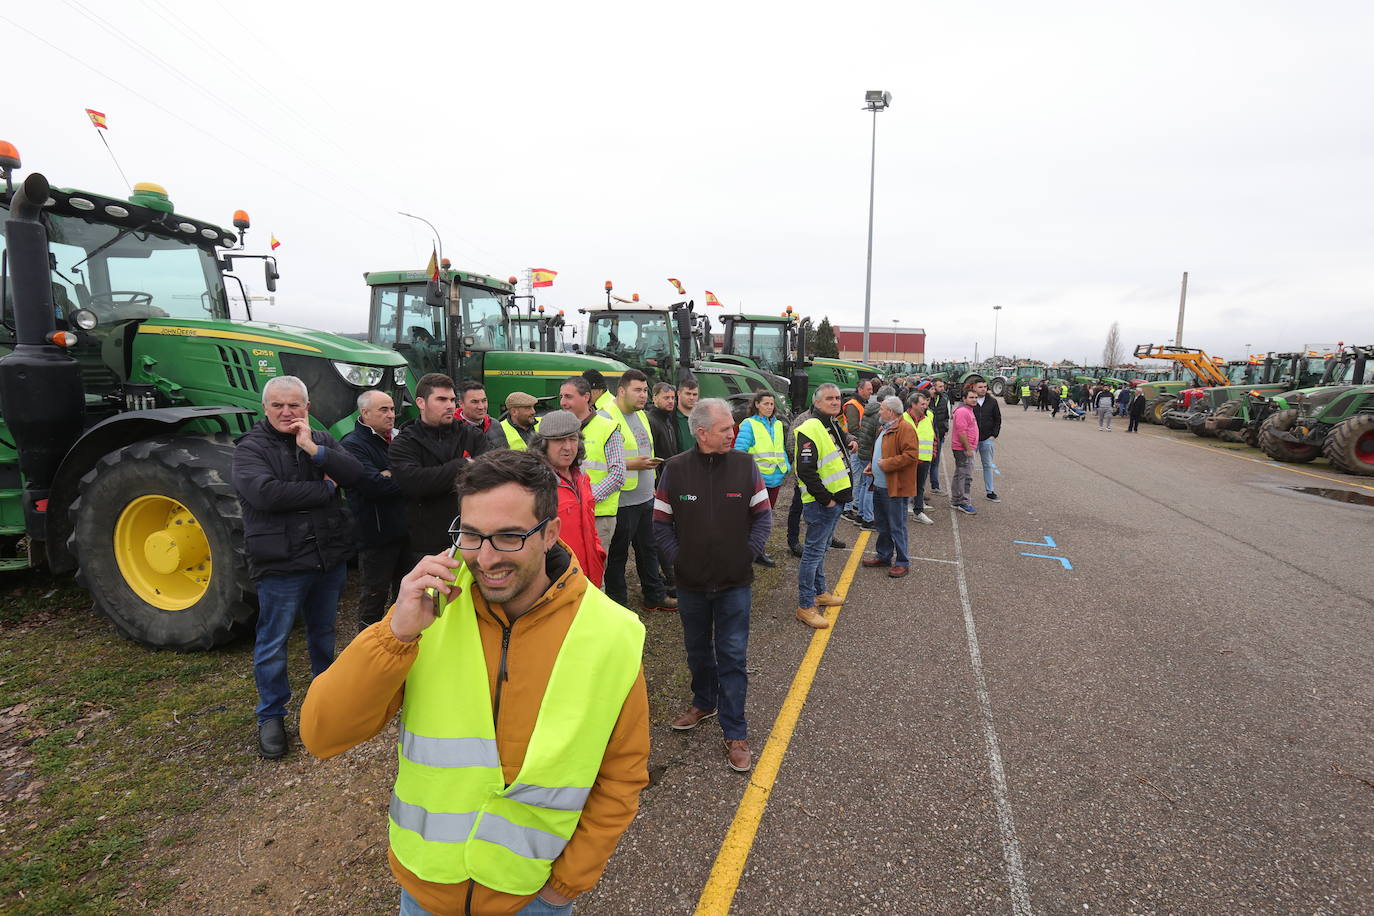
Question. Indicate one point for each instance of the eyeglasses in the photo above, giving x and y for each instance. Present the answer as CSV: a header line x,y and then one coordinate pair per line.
x,y
504,541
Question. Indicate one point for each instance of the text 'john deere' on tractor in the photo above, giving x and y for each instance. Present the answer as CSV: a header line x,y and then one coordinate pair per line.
x,y
123,383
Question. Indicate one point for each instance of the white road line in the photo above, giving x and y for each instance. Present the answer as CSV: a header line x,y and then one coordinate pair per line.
x,y
1006,824
933,560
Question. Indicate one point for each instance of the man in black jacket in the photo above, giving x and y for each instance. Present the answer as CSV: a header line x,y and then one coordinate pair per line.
x,y
939,415
989,416
663,429
425,458
711,519
378,510
298,537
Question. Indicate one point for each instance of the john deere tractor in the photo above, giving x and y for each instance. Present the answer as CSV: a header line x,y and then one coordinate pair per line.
x,y
778,345
1335,420
122,387
664,342
464,325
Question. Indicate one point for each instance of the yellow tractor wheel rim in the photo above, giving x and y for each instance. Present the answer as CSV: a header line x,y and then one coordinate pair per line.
x,y
162,552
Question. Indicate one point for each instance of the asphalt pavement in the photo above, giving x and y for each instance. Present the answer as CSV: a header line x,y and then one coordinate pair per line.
x,y
1141,683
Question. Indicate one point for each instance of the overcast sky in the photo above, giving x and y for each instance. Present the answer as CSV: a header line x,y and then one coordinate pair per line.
x,y
1067,161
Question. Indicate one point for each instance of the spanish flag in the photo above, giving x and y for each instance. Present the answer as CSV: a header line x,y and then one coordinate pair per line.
x,y
432,268
677,285
711,298
542,276
97,118
275,244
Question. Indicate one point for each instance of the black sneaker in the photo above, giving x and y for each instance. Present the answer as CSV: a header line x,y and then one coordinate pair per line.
x,y
868,526
796,550
838,544
993,497
272,739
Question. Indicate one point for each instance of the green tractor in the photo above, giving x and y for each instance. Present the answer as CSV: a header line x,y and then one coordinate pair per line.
x,y
1012,379
123,383
1335,419
667,342
464,326
777,345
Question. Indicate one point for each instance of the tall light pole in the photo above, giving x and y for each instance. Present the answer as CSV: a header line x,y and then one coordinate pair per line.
x,y
875,100
996,311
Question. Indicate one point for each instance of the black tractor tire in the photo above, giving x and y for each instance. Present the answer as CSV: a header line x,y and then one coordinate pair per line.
x,y
1349,446
1278,449
1011,398
1228,411
998,387
1197,425
1154,410
194,471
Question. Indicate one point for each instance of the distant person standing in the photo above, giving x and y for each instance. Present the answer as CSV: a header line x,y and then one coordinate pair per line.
x,y
764,439
711,518
1025,393
918,416
822,452
895,458
472,404
298,538
688,391
378,508
605,461
1102,406
964,443
1123,400
1136,411
989,415
662,424
601,396
940,414
514,432
851,419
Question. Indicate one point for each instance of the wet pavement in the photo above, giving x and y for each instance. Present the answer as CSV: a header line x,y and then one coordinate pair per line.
x,y
1153,692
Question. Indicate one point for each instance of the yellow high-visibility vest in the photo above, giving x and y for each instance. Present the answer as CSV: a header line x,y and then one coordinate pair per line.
x,y
925,435
633,447
830,461
594,436
769,450
513,439
452,816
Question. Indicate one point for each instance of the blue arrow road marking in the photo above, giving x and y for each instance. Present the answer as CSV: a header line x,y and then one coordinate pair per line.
x,y
1064,560
1047,542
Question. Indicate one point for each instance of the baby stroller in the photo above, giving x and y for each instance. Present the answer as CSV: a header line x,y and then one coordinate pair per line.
x,y
1072,411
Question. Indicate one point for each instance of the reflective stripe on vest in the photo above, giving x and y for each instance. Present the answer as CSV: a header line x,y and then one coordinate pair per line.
x,y
769,450
452,817
925,435
1025,391
513,439
830,461
632,446
594,436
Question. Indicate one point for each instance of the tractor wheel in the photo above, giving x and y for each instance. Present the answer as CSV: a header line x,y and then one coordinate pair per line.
x,y
1197,425
1349,446
157,533
1011,398
1154,411
998,387
1227,411
1280,450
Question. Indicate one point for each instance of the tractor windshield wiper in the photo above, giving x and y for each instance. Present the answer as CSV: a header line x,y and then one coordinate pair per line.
x,y
119,235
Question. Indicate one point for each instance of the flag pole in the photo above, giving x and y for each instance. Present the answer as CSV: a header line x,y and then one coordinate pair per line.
x,y
127,183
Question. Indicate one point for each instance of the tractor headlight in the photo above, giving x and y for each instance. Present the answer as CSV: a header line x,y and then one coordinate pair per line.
x,y
85,319
398,376
359,376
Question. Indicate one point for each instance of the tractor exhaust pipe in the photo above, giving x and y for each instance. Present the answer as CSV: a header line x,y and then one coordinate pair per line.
x,y
40,384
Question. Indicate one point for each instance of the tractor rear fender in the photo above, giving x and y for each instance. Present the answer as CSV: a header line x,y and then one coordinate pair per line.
x,y
105,437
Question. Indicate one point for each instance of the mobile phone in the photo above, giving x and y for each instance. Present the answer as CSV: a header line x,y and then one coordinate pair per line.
x,y
434,592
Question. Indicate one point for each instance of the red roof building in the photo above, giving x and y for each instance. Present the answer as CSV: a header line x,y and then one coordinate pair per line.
x,y
888,342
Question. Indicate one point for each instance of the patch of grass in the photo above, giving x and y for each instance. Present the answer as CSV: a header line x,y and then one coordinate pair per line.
x,y
108,739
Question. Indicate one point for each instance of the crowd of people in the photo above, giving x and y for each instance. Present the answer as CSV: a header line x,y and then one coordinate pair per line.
x,y
1076,400
492,557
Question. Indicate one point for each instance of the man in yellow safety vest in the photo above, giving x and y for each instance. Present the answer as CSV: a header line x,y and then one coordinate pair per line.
x,y
497,801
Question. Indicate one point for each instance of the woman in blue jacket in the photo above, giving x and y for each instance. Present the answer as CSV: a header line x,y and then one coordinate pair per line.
x,y
764,437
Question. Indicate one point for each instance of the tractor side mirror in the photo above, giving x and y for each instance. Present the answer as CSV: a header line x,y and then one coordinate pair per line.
x,y
269,266
434,293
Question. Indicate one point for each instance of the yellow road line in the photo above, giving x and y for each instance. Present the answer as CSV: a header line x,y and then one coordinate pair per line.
x,y
1269,464
734,850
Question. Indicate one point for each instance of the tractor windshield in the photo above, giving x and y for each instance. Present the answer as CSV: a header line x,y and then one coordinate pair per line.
x,y
402,320
635,338
122,274
765,342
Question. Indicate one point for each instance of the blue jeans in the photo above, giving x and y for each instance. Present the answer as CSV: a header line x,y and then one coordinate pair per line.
x,y
820,528
715,629
935,464
985,449
890,513
536,907
313,595
633,526
863,496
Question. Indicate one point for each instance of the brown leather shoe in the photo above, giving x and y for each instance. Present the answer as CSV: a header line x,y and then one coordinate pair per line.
x,y
825,599
872,562
812,618
737,755
897,572
691,719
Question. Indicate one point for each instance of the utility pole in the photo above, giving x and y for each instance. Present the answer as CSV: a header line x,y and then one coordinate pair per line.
x,y
875,100
1182,299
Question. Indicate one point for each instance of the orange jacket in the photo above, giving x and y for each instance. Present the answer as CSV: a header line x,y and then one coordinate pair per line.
x,y
360,693
901,454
